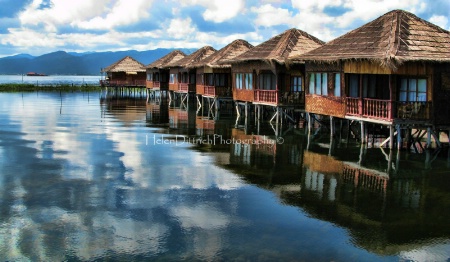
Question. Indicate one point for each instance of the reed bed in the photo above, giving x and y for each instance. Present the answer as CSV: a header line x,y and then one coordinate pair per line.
x,y
47,87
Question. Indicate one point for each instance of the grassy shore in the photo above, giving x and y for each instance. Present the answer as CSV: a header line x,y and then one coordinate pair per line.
x,y
59,87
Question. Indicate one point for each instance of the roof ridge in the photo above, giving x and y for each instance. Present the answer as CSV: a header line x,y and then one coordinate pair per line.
x,y
390,40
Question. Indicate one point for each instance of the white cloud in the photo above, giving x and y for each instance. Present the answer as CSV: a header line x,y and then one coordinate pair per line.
x,y
123,12
85,14
217,11
180,28
270,16
41,29
440,20
61,12
367,10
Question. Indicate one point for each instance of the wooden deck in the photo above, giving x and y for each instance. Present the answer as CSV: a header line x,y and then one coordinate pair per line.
x,y
216,91
388,110
185,88
123,83
275,98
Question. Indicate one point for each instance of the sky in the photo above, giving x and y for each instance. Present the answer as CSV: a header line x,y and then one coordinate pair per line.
x,y
38,27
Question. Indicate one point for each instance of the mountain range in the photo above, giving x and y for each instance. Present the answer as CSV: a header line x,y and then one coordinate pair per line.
x,y
64,63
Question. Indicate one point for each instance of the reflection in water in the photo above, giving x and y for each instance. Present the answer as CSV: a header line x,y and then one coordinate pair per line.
x,y
84,179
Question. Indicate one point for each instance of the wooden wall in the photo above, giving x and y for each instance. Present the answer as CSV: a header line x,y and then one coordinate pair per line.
x,y
323,105
243,95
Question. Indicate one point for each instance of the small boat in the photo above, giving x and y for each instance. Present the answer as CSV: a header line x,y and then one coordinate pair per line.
x,y
35,74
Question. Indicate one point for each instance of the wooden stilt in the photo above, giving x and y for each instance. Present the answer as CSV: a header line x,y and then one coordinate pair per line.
x,y
399,137
309,121
246,110
436,138
332,126
363,134
428,137
391,137
408,138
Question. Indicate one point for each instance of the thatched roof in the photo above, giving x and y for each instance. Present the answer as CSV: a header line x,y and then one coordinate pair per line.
x,y
167,59
224,55
195,57
394,38
279,48
126,64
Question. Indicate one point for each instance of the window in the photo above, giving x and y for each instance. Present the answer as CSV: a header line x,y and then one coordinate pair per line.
x,y
267,82
156,77
369,83
337,84
296,84
413,89
200,79
239,83
192,78
173,78
244,81
353,86
248,81
318,84
149,77
220,80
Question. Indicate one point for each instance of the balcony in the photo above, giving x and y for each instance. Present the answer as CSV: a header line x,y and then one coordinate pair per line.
x,y
387,110
274,97
217,91
130,83
266,96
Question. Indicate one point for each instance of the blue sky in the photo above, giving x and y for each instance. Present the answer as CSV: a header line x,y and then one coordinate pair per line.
x,y
38,27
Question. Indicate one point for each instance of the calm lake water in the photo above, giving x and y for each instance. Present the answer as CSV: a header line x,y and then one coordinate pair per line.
x,y
90,176
50,80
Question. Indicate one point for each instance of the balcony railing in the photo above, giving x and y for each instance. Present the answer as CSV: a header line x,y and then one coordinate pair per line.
x,y
183,87
266,96
387,110
122,82
217,91
414,110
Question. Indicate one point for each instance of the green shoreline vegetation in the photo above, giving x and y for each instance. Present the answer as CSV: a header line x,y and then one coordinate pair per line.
x,y
56,87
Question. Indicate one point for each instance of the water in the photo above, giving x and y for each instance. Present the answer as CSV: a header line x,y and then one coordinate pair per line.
x,y
50,80
85,176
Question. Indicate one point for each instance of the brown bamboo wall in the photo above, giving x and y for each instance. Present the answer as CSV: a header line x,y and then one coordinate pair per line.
x,y
323,105
243,95
199,89
173,87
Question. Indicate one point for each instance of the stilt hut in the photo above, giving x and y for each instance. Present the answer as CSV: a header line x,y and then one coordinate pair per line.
x,y
157,75
181,76
261,75
127,72
393,71
214,73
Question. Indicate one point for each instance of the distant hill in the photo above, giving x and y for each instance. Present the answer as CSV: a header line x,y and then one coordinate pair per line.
x,y
63,63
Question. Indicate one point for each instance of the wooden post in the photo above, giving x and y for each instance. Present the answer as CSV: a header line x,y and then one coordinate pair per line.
x,y
428,137
399,137
363,135
310,121
246,110
391,137
408,138
332,126
436,138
